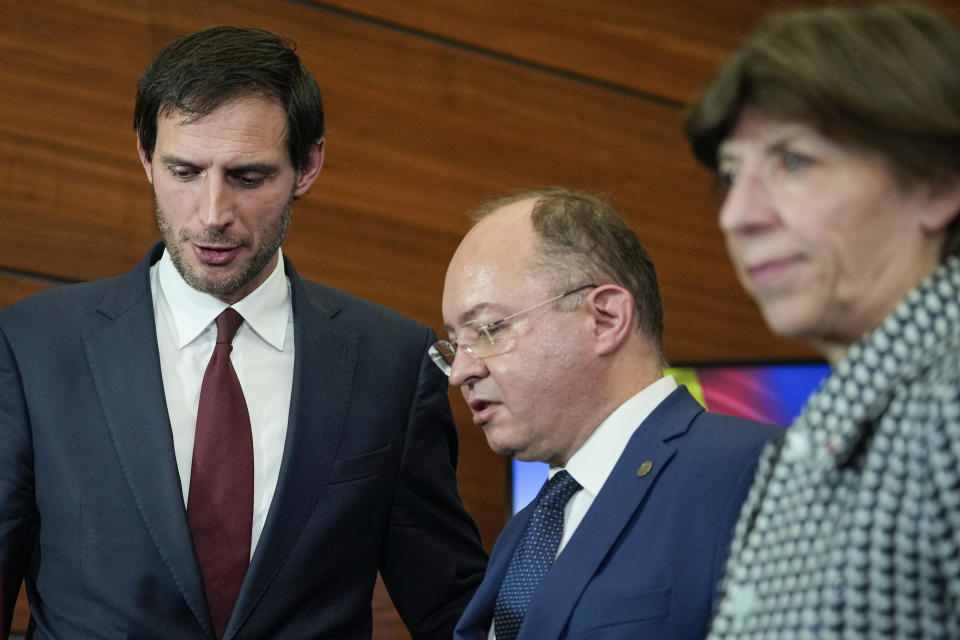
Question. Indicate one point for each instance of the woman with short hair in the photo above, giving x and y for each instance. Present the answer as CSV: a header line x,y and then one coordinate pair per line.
x,y
835,137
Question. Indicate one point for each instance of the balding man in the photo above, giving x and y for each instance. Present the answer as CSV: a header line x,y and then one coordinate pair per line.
x,y
555,339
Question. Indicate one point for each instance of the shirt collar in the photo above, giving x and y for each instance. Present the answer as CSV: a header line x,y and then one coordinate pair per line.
x,y
266,309
592,463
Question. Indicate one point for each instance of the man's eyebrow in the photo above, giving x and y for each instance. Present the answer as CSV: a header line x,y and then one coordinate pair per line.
x,y
261,167
176,161
471,315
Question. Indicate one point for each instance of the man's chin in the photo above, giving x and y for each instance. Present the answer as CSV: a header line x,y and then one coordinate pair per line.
x,y
223,286
495,443
505,448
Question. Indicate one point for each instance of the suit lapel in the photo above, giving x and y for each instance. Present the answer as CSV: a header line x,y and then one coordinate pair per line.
x,y
620,498
130,391
324,369
478,615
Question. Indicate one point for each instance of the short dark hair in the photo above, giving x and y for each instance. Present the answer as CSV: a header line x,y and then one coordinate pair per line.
x,y
580,239
200,72
882,78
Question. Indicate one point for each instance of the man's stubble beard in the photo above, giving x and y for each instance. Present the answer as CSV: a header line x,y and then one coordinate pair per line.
x,y
222,288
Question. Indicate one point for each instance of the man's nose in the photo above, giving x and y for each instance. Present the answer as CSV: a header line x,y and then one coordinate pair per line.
x,y
217,209
465,367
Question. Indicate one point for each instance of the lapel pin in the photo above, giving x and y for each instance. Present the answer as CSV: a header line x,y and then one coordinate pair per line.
x,y
644,468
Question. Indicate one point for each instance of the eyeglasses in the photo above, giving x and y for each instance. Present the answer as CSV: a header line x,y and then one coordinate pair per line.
x,y
485,342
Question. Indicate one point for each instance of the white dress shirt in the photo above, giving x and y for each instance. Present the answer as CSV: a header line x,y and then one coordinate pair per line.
x,y
593,462
262,355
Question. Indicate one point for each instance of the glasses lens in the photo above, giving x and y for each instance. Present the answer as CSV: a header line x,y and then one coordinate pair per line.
x,y
442,353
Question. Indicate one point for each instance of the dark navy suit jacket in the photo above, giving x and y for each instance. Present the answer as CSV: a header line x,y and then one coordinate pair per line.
x,y
91,508
646,558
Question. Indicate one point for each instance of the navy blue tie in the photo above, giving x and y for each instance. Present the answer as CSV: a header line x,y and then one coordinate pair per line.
x,y
533,556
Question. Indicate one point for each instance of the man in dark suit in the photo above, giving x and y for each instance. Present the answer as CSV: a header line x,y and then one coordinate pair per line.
x,y
554,317
121,483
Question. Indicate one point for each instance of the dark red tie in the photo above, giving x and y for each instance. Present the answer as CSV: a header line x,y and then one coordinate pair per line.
x,y
220,503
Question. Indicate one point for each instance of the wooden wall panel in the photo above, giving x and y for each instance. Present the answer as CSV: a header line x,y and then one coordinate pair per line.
x,y
665,50
12,289
21,614
74,205
662,50
419,133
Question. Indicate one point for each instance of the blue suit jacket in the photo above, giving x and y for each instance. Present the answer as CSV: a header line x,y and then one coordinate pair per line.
x,y
646,559
91,509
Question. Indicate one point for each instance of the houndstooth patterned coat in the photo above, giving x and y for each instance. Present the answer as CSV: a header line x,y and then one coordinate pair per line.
x,y
852,527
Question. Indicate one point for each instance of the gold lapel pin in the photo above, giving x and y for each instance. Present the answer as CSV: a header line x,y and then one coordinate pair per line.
x,y
644,468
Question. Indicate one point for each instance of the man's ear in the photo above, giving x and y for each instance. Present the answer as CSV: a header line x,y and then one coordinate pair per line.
x,y
309,173
611,310
147,165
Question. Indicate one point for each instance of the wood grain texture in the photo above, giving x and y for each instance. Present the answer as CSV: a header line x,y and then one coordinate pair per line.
x,y
662,50
12,289
420,132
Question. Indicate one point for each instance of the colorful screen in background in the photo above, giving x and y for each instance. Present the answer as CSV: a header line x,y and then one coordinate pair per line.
x,y
773,393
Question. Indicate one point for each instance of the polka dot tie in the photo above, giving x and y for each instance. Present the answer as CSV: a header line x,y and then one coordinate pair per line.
x,y
533,556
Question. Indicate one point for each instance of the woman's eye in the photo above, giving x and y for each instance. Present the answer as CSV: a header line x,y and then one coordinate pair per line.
x,y
796,161
722,184
726,177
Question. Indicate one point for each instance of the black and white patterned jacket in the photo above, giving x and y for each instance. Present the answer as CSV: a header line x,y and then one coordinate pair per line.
x,y
852,527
